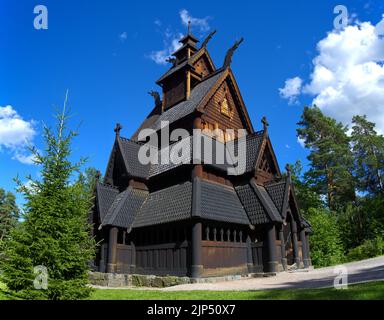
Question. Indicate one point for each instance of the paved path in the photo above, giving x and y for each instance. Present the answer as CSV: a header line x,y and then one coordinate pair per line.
x,y
361,271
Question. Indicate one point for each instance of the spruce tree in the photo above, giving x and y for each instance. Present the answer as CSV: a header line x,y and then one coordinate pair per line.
x,y
55,233
330,157
9,213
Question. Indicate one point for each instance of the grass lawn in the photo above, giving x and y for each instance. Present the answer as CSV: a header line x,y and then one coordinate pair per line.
x,y
365,291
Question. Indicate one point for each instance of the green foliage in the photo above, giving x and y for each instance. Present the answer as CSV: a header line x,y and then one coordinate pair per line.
x,y
325,243
370,248
353,225
339,165
330,157
88,179
9,213
373,207
55,232
368,152
306,197
364,291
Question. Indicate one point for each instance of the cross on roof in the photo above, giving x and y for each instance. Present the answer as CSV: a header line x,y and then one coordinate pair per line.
x,y
265,122
117,129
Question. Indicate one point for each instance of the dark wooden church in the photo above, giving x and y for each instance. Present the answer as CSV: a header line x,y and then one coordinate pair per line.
x,y
192,219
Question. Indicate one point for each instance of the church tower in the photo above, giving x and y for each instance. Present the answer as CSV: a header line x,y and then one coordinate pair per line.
x,y
194,218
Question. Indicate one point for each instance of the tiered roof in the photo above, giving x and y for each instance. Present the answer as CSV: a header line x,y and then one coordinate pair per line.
x,y
244,203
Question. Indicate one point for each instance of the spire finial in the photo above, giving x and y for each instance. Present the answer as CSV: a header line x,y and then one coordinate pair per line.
x,y
189,26
265,123
117,129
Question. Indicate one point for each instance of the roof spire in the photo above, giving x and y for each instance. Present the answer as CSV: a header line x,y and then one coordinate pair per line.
x,y
189,26
289,172
117,129
288,169
265,123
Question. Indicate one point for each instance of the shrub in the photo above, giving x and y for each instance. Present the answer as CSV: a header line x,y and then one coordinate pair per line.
x,y
368,249
325,244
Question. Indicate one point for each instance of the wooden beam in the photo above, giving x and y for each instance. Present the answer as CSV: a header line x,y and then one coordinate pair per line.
x,y
188,85
197,263
112,249
271,243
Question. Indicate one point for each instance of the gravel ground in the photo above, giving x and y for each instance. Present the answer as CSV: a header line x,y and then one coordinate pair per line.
x,y
361,271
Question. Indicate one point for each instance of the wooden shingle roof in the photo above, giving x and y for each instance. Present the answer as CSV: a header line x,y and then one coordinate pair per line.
x,y
105,196
258,204
218,202
125,207
183,108
166,205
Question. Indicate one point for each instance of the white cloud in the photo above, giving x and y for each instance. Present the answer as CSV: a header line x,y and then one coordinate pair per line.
x,y
15,134
23,158
171,44
201,23
159,56
292,89
301,142
171,38
123,36
348,73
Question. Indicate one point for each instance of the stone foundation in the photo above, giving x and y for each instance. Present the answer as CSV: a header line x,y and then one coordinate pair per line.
x,y
115,280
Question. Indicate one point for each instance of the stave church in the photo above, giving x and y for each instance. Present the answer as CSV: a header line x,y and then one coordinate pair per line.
x,y
193,218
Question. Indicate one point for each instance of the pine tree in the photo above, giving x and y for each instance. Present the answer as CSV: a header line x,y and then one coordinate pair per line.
x,y
368,153
55,232
330,157
9,213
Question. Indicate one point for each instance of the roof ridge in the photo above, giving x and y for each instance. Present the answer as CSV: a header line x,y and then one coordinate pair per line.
x,y
130,140
118,205
107,185
217,71
218,184
282,180
257,133
264,201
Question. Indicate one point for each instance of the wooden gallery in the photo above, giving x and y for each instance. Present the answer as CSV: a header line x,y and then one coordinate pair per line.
x,y
191,219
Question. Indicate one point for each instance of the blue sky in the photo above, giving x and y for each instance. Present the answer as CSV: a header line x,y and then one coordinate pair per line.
x,y
103,51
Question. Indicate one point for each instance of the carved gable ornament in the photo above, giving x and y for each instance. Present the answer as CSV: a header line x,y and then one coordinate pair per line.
x,y
225,107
